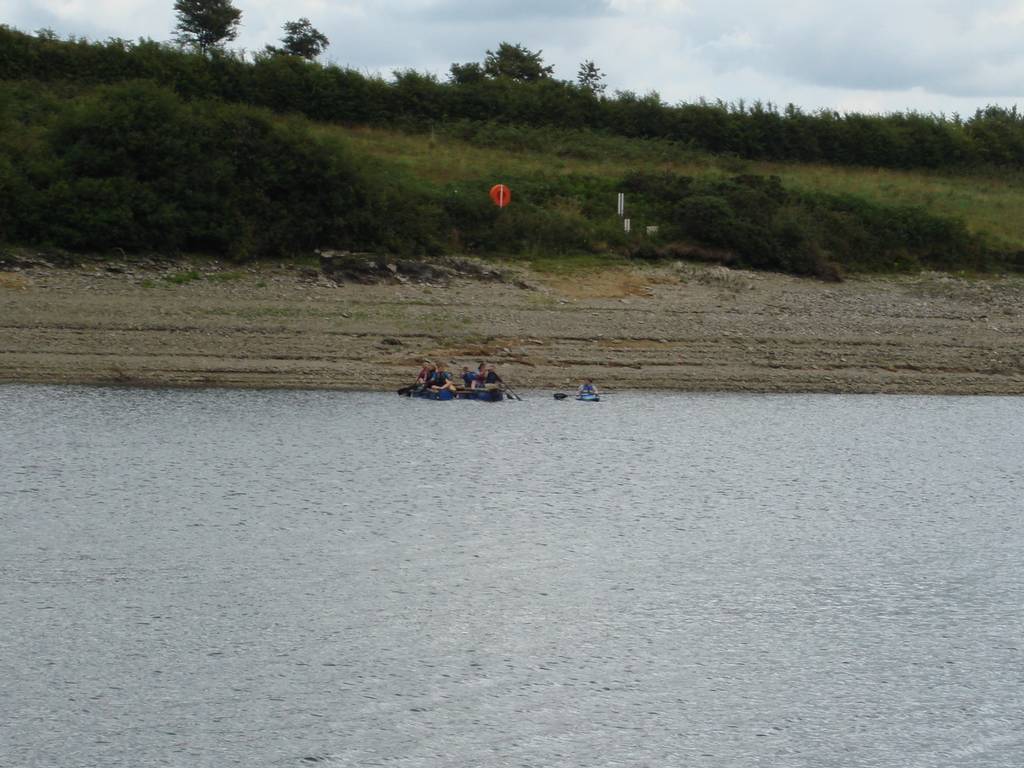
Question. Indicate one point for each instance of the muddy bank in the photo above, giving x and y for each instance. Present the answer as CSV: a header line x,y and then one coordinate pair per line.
x,y
676,326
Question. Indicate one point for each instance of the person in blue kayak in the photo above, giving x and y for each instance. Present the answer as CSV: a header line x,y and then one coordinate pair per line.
x,y
468,378
587,388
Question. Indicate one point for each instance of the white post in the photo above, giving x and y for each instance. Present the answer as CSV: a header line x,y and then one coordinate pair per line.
x,y
627,224
622,204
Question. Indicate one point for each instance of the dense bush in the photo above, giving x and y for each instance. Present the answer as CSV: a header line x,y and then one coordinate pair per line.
x,y
133,166
992,136
549,215
754,221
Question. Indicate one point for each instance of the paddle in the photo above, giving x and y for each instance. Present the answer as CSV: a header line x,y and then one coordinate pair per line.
x,y
560,395
407,390
509,390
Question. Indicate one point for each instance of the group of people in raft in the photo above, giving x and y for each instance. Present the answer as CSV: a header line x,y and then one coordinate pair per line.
x,y
437,378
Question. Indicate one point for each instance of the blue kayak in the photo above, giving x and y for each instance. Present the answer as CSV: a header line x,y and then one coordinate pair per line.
x,y
589,398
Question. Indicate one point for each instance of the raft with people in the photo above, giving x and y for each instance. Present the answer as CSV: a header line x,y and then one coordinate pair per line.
x,y
435,382
484,395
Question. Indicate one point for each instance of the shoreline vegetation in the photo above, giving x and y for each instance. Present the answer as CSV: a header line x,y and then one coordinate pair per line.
x,y
771,250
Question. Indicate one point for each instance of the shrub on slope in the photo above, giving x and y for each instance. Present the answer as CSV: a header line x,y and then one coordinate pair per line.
x,y
135,167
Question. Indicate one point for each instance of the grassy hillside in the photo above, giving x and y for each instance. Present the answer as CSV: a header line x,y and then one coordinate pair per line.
x,y
990,204
137,167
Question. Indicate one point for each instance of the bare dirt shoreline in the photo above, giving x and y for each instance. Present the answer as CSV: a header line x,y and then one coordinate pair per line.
x,y
678,327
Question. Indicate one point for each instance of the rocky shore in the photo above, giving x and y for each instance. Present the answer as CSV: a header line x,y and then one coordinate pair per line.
x,y
359,322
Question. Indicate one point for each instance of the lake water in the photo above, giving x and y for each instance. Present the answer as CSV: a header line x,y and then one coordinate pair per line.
x,y
232,578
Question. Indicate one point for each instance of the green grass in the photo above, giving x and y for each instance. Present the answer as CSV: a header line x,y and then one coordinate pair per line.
x,y
225,277
271,312
192,275
991,205
183,278
444,160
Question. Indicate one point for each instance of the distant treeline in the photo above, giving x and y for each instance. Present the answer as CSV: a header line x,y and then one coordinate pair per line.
x,y
992,137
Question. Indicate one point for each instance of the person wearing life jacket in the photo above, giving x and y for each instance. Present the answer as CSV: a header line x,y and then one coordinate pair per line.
x,y
468,378
425,372
481,375
491,378
587,388
442,380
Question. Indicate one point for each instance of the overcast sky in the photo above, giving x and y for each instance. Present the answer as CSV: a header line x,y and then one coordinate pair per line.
x,y
864,55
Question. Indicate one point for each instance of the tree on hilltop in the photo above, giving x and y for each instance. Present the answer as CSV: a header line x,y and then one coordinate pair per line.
x,y
516,62
590,78
206,24
462,74
303,39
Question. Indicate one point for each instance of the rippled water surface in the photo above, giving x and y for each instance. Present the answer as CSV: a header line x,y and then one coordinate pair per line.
x,y
218,578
